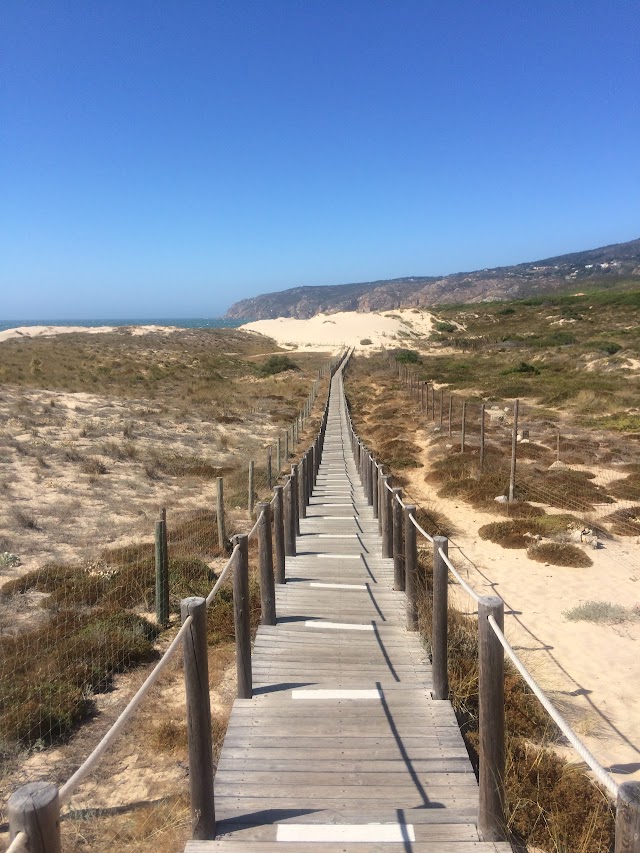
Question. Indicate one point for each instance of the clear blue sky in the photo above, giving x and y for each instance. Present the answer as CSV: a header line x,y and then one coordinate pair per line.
x,y
168,158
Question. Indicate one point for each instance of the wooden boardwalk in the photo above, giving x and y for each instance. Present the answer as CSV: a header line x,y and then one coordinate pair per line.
x,y
342,746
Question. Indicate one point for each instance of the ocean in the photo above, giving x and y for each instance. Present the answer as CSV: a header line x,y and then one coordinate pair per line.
x,y
181,323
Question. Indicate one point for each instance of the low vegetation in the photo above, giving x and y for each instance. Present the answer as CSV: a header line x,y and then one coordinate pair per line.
x,y
601,612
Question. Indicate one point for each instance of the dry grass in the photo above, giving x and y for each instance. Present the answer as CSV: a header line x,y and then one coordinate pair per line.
x,y
625,522
560,554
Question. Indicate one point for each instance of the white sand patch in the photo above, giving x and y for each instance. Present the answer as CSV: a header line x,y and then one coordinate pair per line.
x,y
348,328
50,331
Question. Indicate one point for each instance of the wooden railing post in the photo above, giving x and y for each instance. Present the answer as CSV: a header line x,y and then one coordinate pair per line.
x,y
278,457
410,567
398,563
269,468
628,818
370,470
35,810
289,519
295,500
278,534
242,617
162,572
439,619
196,684
374,487
265,557
302,488
491,819
222,536
381,499
387,521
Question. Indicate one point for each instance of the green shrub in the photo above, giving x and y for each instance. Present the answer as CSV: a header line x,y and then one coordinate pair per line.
x,y
408,356
365,342
276,364
442,326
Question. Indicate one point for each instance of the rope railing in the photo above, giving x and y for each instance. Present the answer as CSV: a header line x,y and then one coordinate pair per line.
x,y
18,844
598,770
254,529
465,586
426,535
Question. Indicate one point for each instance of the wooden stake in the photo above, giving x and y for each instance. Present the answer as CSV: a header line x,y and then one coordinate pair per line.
x,y
196,683
265,557
35,810
514,452
491,819
278,534
411,567
242,617
463,428
222,536
482,437
251,491
628,818
398,563
439,619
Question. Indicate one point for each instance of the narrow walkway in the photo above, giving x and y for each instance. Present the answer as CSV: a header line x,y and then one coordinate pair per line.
x,y
342,746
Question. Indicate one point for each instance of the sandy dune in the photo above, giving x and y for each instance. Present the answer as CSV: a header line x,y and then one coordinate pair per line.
x,y
49,331
347,328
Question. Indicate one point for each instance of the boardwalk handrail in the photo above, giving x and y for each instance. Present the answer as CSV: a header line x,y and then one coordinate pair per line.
x,y
491,819
34,809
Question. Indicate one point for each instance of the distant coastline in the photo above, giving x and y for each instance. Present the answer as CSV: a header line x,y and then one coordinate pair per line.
x,y
181,323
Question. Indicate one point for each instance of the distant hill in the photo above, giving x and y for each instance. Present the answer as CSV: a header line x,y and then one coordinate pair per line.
x,y
606,264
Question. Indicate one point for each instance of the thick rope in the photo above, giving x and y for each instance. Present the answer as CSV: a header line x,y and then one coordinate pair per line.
x,y
465,586
19,843
420,529
222,576
254,529
598,770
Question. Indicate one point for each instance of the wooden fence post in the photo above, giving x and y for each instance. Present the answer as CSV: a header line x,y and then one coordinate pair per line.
x,y
398,563
222,536
35,810
514,452
286,445
242,617
439,619
162,573
433,402
422,396
278,534
302,489
450,411
269,468
278,457
289,519
265,557
410,567
387,522
628,818
463,428
441,406
374,487
491,820
481,437
196,685
294,496
381,499
251,491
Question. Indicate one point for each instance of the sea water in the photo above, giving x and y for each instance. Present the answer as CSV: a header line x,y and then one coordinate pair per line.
x,y
179,323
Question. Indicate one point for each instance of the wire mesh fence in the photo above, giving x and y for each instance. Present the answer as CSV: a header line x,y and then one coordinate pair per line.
x,y
77,635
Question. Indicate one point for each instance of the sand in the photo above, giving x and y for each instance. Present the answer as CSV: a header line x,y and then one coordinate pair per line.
x,y
348,328
50,331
